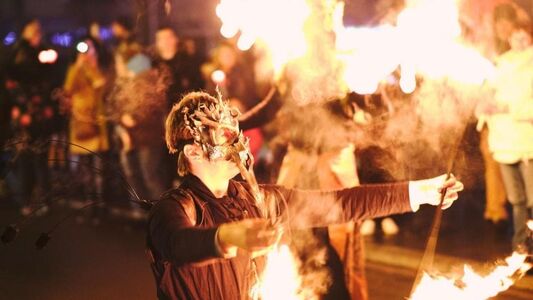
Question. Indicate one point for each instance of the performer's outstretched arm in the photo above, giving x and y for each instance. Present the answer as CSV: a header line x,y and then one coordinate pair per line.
x,y
305,208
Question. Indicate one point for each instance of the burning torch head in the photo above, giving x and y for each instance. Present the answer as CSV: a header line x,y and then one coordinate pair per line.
x,y
210,123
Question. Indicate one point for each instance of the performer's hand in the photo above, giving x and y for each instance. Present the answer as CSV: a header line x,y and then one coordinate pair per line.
x,y
429,191
252,235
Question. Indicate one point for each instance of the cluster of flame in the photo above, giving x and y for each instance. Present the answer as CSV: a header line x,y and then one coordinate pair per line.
x,y
425,40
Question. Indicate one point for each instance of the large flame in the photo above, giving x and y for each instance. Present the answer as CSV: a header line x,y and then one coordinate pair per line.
x,y
472,286
424,41
277,25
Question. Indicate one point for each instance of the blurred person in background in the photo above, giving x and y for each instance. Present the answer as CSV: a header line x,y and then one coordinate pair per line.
x,y
369,112
168,59
84,86
29,85
5,120
509,116
503,17
126,45
328,160
139,105
228,71
193,64
168,56
104,56
254,134
231,71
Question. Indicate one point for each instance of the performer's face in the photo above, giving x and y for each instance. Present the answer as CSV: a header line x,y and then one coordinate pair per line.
x,y
219,145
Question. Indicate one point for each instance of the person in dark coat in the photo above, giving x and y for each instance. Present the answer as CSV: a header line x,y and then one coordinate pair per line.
x,y
206,237
32,116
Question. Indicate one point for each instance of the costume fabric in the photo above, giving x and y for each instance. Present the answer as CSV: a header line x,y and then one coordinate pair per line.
x,y
183,224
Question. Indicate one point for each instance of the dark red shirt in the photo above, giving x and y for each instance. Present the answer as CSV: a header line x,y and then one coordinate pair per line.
x,y
181,232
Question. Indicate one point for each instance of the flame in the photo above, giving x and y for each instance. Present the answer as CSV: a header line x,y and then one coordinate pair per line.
x,y
431,36
280,278
530,224
277,25
472,286
425,41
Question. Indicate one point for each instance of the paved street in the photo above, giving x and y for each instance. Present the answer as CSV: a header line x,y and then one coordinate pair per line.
x,y
107,261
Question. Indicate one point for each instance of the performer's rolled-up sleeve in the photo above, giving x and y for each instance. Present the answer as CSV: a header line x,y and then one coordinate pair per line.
x,y
175,239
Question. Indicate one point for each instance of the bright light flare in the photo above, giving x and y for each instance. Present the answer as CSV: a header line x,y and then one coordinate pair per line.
x,y
472,286
82,47
48,56
367,56
218,76
530,224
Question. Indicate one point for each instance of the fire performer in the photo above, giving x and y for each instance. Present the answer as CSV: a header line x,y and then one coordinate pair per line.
x,y
205,238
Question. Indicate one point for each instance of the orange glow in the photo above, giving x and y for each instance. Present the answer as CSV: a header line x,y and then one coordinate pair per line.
x,y
473,286
280,279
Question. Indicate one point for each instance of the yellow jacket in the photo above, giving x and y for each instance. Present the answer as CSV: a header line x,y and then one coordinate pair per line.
x,y
84,83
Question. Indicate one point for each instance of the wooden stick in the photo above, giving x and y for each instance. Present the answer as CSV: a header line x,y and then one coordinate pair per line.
x,y
426,263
